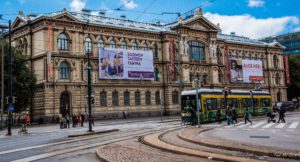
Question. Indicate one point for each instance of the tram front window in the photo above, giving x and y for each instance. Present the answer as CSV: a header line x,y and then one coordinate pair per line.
x,y
188,102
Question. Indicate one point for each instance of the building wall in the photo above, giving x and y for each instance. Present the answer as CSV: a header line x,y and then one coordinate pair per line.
x,y
47,99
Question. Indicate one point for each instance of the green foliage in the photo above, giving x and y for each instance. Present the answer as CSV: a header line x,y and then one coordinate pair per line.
x,y
24,81
294,87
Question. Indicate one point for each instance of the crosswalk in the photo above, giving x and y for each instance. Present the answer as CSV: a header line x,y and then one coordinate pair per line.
x,y
265,125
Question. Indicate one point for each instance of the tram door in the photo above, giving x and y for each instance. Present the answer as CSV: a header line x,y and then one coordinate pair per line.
x,y
65,103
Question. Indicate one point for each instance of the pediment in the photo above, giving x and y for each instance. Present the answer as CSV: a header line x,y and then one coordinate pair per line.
x,y
201,23
18,22
65,17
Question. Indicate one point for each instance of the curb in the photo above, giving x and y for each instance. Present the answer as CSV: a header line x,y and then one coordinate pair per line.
x,y
241,147
148,140
93,133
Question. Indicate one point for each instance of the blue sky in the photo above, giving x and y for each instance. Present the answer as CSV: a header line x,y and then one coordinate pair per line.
x,y
251,18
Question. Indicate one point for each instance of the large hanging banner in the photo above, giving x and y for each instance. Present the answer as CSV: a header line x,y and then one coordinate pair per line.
x,y
125,64
246,71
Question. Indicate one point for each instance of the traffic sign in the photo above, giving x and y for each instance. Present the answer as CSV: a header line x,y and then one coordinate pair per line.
x,y
11,108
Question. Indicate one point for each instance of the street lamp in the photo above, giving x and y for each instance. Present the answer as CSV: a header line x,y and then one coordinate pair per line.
x,y
160,99
198,85
2,27
89,92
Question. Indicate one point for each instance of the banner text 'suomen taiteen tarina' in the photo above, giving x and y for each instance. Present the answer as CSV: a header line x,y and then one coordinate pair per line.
x,y
125,64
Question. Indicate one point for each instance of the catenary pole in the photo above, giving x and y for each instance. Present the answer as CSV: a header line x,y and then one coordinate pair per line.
x,y
89,93
9,79
2,82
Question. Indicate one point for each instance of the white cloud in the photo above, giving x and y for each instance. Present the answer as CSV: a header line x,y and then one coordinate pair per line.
x,y
247,25
77,5
297,29
129,4
256,3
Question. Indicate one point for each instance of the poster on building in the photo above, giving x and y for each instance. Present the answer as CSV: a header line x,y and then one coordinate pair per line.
x,y
246,71
125,64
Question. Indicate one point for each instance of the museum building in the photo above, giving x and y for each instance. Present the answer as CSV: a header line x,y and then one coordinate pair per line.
x,y
190,48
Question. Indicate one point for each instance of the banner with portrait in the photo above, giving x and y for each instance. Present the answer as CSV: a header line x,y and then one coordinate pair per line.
x,y
246,71
125,64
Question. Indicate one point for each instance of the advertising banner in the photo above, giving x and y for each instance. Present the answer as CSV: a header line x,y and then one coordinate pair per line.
x,y
125,64
287,69
246,71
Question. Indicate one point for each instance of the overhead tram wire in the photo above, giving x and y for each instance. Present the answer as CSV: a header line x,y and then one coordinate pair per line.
x,y
145,10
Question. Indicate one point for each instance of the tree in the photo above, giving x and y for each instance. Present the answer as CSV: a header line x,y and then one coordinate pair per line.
x,y
24,80
294,87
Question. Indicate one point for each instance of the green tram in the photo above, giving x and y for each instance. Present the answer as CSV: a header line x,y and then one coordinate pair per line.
x,y
213,99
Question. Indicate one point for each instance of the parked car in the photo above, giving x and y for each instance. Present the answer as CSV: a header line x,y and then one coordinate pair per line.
x,y
286,105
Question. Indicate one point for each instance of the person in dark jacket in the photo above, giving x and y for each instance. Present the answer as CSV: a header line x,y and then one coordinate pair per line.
x,y
247,116
219,116
281,115
234,116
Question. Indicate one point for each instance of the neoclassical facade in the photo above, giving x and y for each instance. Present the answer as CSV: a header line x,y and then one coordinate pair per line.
x,y
58,43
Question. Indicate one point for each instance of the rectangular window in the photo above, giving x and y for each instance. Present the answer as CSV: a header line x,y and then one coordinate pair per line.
x,y
265,102
211,104
232,103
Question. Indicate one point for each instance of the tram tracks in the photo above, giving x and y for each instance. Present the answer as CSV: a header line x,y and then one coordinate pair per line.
x,y
77,144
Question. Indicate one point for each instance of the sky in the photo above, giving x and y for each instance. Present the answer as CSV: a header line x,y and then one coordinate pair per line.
x,y
250,18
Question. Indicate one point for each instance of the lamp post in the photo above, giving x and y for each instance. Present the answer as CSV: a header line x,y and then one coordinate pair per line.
x,y
197,84
160,99
9,80
2,27
89,92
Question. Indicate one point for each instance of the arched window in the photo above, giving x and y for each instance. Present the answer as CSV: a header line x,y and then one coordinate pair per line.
x,y
145,47
156,72
157,98
219,56
134,46
123,45
115,98
112,44
126,98
278,96
148,97
63,42
64,70
88,45
155,51
277,79
275,61
205,79
175,97
25,45
137,96
196,50
103,98
220,77
101,44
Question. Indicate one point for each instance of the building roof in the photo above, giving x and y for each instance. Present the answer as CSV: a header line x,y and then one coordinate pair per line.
x,y
129,24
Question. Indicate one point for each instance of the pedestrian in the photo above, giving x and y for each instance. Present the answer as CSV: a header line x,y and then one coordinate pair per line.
x,y
61,121
247,116
19,120
27,121
281,115
234,116
92,119
67,120
82,119
74,120
79,120
229,116
219,116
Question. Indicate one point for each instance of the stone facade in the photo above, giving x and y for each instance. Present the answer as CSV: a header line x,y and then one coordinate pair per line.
x,y
38,36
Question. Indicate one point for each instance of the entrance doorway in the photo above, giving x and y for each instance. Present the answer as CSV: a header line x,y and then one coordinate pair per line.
x,y
64,103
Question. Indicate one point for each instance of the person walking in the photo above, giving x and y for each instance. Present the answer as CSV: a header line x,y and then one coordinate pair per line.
x,y
67,121
234,116
281,115
219,116
74,120
79,120
229,116
82,119
92,119
247,115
